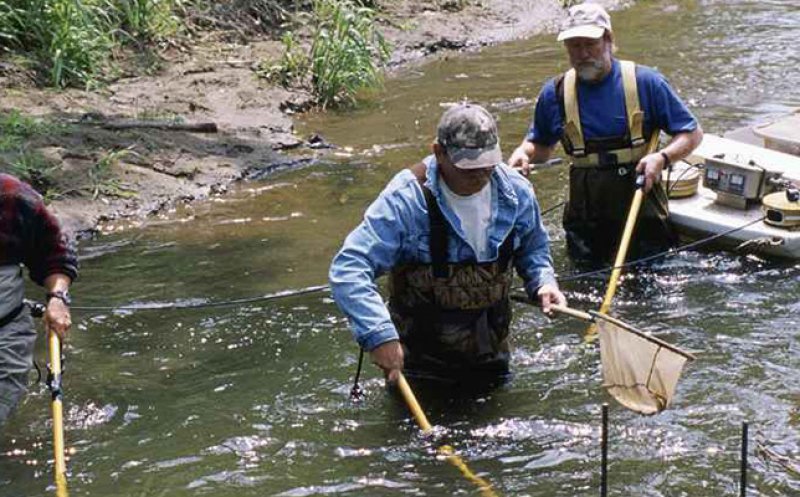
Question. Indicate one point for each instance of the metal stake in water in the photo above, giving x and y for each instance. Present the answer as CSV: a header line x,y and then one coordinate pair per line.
x,y
743,475
604,453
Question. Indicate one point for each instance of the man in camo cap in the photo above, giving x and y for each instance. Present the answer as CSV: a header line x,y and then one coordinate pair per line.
x,y
447,230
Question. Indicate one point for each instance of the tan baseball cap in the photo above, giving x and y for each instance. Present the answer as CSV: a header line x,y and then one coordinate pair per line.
x,y
586,20
468,134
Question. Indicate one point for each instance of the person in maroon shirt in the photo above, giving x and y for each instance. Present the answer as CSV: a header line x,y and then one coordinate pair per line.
x,y
30,237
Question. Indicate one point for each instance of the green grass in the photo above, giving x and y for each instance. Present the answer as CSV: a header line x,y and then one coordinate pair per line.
x,y
18,156
101,176
144,21
345,57
16,130
71,42
78,42
67,39
32,168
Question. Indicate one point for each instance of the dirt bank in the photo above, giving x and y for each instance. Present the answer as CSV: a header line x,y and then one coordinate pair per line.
x,y
147,170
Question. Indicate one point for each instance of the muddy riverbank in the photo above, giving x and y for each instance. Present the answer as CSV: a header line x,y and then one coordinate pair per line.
x,y
139,172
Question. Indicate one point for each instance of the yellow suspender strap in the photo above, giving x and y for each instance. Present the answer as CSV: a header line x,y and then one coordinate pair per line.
x,y
635,114
572,124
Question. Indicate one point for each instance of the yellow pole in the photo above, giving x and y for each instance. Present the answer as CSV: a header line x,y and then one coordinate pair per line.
x,y
445,450
622,252
627,234
58,416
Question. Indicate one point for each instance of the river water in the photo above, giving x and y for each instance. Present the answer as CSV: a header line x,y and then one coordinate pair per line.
x,y
253,399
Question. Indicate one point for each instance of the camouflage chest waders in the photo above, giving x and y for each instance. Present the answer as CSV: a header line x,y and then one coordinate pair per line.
x,y
602,181
453,318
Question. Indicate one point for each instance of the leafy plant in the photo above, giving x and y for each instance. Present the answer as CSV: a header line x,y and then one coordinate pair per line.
x,y
346,52
15,128
293,66
69,39
144,20
34,169
345,56
101,176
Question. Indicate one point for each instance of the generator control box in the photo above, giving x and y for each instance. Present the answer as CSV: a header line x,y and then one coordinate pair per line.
x,y
738,182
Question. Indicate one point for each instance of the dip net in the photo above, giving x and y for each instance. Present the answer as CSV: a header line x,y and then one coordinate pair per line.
x,y
640,371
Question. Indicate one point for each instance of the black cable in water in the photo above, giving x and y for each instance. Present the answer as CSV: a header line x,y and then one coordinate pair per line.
x,y
356,393
200,305
666,253
322,288
552,208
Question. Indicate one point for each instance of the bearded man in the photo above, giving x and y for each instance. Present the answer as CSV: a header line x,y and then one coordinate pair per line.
x,y
604,111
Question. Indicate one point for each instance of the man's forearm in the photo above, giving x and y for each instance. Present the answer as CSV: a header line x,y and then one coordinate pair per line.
x,y
57,318
682,144
541,153
57,282
536,152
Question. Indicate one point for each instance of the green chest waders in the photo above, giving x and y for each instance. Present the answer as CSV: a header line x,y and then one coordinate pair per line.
x,y
602,181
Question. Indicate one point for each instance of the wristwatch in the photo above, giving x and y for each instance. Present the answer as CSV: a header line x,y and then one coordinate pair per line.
x,y
60,295
667,162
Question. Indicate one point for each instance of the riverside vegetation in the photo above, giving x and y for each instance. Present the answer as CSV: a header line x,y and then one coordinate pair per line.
x,y
90,43
102,88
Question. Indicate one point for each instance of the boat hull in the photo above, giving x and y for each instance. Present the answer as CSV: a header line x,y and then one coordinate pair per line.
x,y
699,216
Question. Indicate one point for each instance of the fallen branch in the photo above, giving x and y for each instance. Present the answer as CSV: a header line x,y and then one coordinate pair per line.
x,y
174,126
208,127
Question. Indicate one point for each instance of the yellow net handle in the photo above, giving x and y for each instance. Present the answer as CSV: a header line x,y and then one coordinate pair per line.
x,y
445,450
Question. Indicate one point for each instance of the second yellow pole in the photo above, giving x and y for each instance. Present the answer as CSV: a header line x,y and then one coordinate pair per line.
x,y
58,416
445,450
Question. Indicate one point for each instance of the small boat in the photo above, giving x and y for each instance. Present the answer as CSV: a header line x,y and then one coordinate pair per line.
x,y
742,187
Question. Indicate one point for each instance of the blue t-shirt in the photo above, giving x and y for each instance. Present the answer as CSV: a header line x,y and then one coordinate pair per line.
x,y
602,108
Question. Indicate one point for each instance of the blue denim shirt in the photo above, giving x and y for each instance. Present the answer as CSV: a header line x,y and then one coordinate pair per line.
x,y
396,230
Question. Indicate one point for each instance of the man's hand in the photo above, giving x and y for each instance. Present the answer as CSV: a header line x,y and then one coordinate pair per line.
x,y
520,161
651,166
389,357
549,294
57,318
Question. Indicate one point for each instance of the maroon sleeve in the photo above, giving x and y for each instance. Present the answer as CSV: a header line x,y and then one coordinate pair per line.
x,y
46,249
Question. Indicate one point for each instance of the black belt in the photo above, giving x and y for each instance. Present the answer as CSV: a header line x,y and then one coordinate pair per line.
x,y
11,315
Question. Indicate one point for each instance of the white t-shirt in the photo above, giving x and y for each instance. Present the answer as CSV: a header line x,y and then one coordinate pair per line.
x,y
475,213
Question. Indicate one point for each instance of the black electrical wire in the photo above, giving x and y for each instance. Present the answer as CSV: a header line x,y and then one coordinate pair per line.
x,y
201,305
322,288
357,393
666,253
552,208
680,176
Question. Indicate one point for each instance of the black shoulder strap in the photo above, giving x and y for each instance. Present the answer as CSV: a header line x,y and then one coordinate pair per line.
x,y
506,252
438,238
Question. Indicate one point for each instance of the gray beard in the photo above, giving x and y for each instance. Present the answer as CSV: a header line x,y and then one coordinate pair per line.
x,y
590,71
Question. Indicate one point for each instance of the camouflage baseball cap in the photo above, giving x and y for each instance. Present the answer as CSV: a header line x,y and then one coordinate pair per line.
x,y
585,20
469,135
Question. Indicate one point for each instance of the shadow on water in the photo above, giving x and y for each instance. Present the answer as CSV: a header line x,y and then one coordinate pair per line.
x,y
253,400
